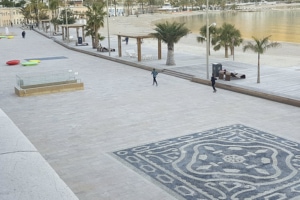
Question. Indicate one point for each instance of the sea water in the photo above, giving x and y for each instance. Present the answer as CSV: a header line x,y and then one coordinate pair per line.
x,y
283,24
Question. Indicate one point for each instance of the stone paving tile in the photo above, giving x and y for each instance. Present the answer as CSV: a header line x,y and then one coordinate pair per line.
x,y
231,162
119,108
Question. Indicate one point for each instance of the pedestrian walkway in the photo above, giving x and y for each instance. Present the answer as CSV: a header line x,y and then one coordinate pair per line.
x,y
278,84
79,133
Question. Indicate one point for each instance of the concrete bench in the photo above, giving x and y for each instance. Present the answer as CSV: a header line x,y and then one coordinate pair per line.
x,y
45,83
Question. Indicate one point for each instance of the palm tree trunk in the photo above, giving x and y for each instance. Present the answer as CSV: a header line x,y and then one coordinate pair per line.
x,y
96,42
170,55
93,42
258,69
226,51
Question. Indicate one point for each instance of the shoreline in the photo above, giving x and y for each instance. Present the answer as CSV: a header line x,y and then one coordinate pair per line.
x,y
285,56
147,22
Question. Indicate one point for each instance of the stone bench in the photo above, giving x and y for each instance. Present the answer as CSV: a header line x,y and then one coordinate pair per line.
x,y
47,83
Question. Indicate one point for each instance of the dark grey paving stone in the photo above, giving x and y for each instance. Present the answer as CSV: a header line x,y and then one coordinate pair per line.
x,y
231,162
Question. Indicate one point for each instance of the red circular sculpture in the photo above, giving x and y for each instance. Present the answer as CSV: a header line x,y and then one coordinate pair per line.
x,y
13,62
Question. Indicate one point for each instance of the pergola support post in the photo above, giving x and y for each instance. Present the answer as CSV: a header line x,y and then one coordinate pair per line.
x,y
119,46
63,33
159,49
66,31
77,33
83,35
138,39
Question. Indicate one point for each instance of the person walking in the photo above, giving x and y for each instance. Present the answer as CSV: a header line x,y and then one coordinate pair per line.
x,y
213,82
126,40
23,34
154,74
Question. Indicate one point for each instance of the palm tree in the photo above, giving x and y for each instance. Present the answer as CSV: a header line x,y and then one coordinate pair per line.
x,y
170,33
128,3
224,37
70,17
54,6
26,13
260,46
95,20
202,37
115,5
236,40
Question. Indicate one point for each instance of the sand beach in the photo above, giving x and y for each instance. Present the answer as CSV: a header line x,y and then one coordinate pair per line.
x,y
287,55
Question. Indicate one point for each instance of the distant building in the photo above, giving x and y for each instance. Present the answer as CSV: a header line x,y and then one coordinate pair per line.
x,y
10,15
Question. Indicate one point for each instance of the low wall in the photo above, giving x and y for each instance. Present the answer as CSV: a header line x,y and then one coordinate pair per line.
x,y
47,89
254,93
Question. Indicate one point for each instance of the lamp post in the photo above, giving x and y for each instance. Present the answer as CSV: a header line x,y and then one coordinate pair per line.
x,y
207,40
38,15
67,30
108,28
233,49
49,18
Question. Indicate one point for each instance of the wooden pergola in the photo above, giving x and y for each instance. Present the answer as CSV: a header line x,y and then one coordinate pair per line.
x,y
139,39
44,25
66,30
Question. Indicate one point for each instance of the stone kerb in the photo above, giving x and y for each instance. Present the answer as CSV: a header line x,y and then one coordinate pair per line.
x,y
263,95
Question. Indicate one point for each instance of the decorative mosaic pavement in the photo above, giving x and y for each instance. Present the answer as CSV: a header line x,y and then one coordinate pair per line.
x,y
232,162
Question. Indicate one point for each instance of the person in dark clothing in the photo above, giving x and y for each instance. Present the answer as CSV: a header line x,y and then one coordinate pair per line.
x,y
154,74
126,40
213,82
23,34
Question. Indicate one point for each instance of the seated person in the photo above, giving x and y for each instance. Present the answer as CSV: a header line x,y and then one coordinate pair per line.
x,y
222,71
104,49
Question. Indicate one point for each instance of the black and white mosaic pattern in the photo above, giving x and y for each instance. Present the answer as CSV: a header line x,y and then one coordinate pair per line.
x,y
233,162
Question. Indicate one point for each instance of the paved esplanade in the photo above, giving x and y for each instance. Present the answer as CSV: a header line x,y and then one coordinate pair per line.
x,y
76,132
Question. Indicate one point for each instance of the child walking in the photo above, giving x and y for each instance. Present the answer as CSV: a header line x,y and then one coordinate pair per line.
x,y
154,74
